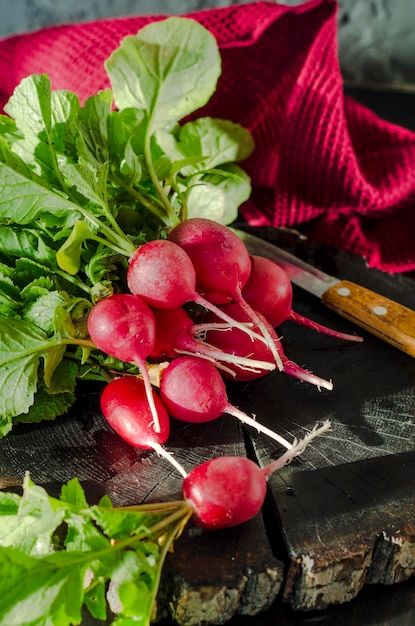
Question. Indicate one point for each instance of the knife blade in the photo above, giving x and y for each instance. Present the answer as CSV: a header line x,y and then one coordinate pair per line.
x,y
386,319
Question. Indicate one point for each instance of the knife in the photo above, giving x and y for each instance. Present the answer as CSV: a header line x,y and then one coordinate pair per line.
x,y
390,321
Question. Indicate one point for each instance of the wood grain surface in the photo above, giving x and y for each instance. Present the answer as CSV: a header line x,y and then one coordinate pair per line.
x,y
346,507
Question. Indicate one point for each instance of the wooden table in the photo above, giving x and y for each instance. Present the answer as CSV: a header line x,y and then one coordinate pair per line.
x,y
346,510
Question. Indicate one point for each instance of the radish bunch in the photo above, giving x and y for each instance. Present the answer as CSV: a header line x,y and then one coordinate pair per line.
x,y
230,336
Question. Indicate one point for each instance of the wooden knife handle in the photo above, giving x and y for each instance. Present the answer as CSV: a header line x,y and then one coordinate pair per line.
x,y
380,316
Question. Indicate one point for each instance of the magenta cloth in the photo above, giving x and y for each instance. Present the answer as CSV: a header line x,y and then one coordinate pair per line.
x,y
323,163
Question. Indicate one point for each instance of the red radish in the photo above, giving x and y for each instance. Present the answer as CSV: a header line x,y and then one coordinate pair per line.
x,y
234,342
269,291
176,334
162,274
126,409
123,326
192,390
222,264
227,491
220,258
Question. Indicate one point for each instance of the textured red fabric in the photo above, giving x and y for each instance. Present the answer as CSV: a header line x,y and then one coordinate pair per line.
x,y
323,163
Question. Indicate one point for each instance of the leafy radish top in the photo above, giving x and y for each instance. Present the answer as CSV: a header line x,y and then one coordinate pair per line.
x,y
85,184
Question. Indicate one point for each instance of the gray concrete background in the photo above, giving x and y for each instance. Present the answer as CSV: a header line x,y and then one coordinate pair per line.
x,y
376,37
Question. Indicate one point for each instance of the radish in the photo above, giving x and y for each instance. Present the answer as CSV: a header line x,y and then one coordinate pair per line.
x,y
221,260
192,390
222,264
176,334
269,291
162,274
234,342
125,407
222,492
123,326
227,491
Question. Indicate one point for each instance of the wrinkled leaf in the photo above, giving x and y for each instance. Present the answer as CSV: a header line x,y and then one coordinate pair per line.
x,y
22,345
214,140
169,69
42,124
42,310
61,554
47,405
27,242
218,196
23,201
34,590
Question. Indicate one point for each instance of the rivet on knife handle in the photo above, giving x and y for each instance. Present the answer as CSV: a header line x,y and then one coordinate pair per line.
x,y
388,320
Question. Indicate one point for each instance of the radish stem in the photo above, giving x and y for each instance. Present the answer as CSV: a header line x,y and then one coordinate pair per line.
x,y
170,458
250,421
305,321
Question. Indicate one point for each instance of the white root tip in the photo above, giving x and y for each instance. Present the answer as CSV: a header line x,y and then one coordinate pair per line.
x,y
297,448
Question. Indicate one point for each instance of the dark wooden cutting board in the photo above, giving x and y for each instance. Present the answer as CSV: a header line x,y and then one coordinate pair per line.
x,y
338,518
346,509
